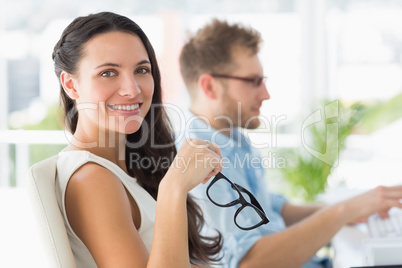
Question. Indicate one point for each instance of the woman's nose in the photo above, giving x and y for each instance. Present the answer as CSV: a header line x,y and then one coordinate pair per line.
x,y
130,87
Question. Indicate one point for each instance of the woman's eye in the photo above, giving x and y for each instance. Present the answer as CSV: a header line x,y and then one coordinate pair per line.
x,y
142,70
108,74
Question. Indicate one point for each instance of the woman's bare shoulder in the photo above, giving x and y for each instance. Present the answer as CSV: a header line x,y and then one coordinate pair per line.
x,y
92,179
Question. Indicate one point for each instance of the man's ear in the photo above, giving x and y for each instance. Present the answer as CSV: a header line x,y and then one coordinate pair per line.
x,y
209,85
67,81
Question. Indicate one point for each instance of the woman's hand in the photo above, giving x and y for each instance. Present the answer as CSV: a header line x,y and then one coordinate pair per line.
x,y
196,161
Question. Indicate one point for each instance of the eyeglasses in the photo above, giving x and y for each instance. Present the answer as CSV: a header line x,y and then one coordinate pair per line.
x,y
252,214
255,81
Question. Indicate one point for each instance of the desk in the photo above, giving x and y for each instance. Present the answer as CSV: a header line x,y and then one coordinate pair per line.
x,y
348,242
348,246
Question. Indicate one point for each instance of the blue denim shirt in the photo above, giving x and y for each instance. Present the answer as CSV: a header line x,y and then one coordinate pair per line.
x,y
242,165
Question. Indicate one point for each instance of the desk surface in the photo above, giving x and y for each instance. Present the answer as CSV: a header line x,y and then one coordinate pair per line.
x,y
348,246
348,242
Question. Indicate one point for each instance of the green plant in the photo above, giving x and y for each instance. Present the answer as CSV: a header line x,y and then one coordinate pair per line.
x,y
307,174
50,122
381,114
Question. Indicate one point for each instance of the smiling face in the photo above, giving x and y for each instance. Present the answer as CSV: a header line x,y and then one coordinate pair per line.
x,y
113,87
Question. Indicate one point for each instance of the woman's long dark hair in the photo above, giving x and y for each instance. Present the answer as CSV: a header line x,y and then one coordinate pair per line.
x,y
155,133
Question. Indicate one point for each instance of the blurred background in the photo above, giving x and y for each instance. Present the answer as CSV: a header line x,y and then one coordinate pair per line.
x,y
315,53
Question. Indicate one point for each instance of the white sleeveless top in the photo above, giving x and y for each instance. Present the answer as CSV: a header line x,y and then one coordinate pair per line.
x,y
67,164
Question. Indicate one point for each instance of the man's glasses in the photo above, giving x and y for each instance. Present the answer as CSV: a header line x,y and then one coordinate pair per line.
x,y
255,81
251,213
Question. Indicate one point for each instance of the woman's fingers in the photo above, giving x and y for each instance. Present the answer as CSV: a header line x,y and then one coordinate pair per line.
x,y
212,154
214,147
202,159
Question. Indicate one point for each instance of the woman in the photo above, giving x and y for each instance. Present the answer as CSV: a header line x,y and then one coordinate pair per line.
x,y
110,175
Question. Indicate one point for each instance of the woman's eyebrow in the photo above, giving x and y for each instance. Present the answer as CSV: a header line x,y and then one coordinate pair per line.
x,y
108,64
143,62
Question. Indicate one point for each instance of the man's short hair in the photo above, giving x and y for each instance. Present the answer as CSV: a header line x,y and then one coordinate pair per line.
x,y
210,49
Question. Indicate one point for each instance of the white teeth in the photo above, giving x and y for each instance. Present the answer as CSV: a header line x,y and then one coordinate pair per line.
x,y
125,107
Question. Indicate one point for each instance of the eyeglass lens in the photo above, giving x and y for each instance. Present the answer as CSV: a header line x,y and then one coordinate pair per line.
x,y
217,196
257,81
249,215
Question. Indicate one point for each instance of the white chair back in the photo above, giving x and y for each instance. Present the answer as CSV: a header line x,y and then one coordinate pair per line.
x,y
42,195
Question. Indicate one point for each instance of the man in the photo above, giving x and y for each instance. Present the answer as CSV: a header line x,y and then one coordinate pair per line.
x,y
226,83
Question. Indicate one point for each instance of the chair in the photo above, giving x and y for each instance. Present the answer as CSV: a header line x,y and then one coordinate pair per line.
x,y
42,195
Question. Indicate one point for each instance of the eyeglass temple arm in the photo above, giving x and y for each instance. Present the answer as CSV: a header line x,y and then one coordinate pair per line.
x,y
252,198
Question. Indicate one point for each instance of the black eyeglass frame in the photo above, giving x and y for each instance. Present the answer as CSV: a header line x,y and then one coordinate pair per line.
x,y
241,200
255,81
